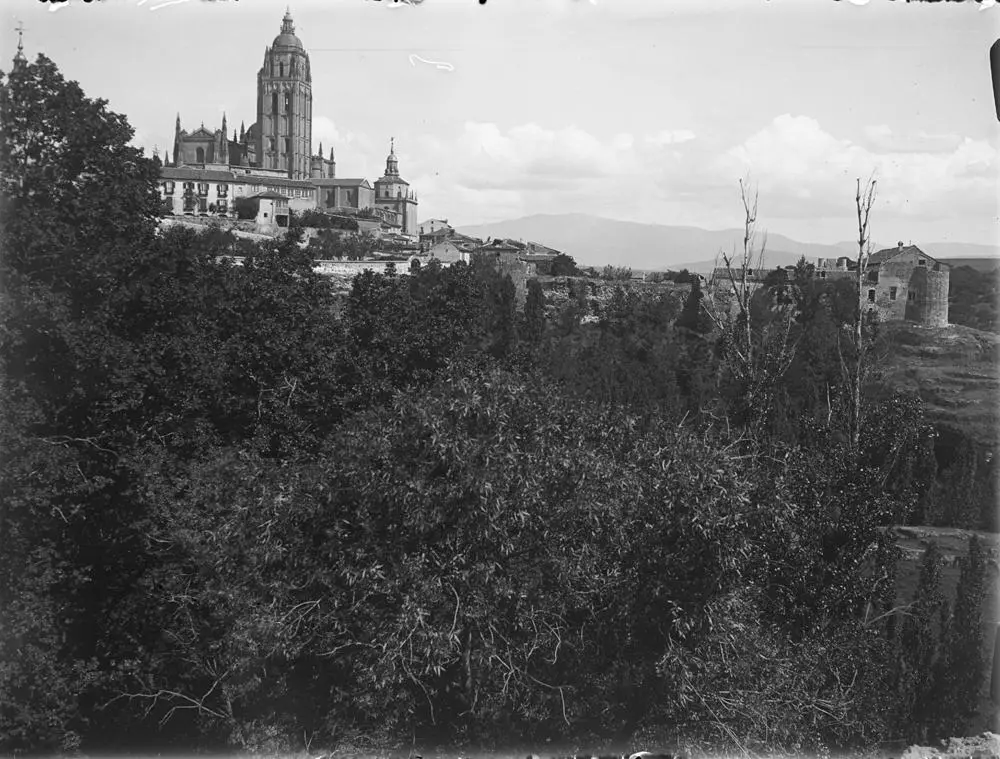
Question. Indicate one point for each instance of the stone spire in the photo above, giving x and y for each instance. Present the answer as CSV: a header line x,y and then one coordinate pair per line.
x,y
223,156
391,164
178,155
19,59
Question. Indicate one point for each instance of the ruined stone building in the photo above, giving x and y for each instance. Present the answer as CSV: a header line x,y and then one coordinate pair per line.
x,y
901,283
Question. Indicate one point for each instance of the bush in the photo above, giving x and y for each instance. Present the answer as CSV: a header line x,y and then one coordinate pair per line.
x,y
246,208
321,220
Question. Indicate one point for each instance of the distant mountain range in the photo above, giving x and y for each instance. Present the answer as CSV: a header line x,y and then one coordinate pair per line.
x,y
596,241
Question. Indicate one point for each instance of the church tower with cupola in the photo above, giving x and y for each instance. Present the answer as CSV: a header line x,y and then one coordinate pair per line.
x,y
392,192
283,138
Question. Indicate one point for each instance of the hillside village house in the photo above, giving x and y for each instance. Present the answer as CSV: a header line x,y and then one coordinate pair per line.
x,y
208,171
272,210
430,226
450,251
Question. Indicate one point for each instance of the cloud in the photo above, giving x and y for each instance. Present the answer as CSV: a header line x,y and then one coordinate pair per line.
x,y
529,168
326,132
530,155
670,137
805,171
881,138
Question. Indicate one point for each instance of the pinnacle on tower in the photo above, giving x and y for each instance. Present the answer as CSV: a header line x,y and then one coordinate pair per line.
x,y
321,150
19,59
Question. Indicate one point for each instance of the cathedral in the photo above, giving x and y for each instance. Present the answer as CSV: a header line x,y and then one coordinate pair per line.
x,y
210,169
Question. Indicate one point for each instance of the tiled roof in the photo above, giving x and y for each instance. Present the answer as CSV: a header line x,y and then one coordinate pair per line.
x,y
391,180
333,182
253,179
269,196
881,256
184,172
753,275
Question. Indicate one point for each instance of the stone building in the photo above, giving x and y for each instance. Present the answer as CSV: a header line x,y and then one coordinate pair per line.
x,y
508,258
283,135
901,283
336,194
393,192
209,170
212,190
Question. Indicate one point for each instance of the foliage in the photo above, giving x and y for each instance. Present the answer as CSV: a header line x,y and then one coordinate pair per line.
x,y
919,650
563,266
534,313
322,220
78,210
972,298
961,673
693,317
401,332
492,574
616,273
329,244
246,208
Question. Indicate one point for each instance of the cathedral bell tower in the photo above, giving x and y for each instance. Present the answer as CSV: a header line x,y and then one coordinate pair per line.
x,y
284,105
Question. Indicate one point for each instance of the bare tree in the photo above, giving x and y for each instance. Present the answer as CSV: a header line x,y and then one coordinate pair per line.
x,y
756,353
864,200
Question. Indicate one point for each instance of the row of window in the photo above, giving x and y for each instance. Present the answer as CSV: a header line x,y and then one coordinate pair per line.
x,y
291,192
222,190
287,144
274,102
201,205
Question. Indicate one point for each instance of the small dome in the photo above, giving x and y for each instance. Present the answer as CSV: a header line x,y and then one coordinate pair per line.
x,y
287,37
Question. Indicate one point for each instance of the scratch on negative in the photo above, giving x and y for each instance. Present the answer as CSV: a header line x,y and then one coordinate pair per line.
x,y
443,65
165,4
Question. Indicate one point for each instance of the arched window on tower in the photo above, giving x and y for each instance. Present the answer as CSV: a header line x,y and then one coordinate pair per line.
x,y
274,102
281,68
288,102
200,155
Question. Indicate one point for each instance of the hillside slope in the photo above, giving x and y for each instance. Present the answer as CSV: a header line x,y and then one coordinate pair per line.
x,y
952,369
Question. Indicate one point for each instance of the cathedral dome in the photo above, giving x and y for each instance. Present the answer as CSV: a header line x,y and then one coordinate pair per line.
x,y
287,38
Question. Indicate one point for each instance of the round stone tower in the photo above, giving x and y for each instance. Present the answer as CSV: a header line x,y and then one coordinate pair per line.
x,y
929,296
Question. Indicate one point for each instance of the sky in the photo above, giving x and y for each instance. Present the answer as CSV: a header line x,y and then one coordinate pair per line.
x,y
640,110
